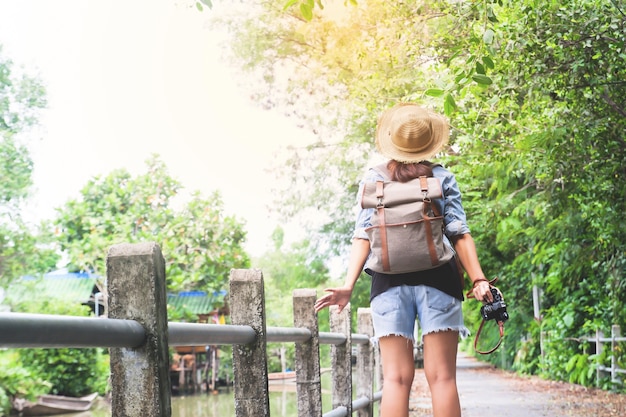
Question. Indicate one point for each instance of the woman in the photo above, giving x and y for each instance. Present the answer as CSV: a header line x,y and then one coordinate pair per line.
x,y
408,135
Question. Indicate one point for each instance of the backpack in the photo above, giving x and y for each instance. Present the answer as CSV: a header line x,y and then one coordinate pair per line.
x,y
407,229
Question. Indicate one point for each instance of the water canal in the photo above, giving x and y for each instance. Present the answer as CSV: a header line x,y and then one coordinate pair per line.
x,y
283,403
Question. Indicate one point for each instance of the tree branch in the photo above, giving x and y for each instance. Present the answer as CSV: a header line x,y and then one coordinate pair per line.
x,y
613,105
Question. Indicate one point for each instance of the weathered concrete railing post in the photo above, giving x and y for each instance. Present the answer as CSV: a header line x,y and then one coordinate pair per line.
x,y
341,360
308,381
247,307
365,362
137,291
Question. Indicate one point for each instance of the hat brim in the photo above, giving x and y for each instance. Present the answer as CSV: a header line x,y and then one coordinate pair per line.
x,y
384,145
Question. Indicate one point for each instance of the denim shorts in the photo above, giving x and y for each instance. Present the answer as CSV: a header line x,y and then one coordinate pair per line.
x,y
394,312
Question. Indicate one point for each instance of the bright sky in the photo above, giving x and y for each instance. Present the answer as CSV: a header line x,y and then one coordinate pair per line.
x,y
126,79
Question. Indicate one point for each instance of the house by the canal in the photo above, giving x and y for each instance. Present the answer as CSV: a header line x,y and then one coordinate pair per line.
x,y
196,368
70,287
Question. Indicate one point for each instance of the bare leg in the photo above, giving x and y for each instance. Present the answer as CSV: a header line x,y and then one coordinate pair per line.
x,y
398,371
440,351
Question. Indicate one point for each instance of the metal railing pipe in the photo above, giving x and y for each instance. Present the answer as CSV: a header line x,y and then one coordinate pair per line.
x,y
357,404
360,339
337,412
332,338
22,330
360,403
288,334
200,334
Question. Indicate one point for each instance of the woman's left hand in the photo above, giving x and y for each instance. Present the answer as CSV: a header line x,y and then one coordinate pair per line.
x,y
482,292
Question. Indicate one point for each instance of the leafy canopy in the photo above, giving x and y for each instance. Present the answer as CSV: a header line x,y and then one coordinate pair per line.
x,y
199,242
22,250
534,92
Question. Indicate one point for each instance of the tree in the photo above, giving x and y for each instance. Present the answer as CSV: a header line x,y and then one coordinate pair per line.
x,y
21,249
573,72
284,270
199,242
534,92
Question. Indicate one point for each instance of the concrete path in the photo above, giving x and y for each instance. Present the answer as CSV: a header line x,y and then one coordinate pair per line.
x,y
486,391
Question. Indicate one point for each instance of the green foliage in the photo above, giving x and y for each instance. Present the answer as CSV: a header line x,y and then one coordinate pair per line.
x,y
68,371
17,382
534,92
16,174
200,244
21,250
21,98
200,4
547,173
284,270
24,251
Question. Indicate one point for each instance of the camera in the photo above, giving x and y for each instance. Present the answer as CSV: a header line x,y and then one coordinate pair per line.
x,y
495,310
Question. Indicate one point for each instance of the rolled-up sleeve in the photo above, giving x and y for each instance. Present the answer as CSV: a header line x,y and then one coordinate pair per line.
x,y
454,217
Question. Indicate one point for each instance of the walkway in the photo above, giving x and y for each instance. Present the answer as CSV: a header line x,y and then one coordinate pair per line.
x,y
486,391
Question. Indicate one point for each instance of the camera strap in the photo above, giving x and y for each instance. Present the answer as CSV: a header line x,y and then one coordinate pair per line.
x,y
493,349
470,294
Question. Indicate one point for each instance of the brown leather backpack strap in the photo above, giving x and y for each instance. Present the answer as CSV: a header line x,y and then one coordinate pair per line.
x,y
383,171
427,209
380,208
432,250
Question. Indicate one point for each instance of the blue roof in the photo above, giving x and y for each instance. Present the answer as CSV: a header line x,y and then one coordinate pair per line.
x,y
70,286
197,302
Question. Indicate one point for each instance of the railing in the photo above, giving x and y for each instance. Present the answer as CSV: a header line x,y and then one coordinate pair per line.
x,y
614,369
139,337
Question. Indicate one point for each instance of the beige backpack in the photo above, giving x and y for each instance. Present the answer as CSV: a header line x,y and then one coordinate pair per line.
x,y
407,230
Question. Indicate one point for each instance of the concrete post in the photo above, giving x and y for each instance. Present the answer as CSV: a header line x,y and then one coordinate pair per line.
x,y
309,385
247,307
140,379
341,360
365,362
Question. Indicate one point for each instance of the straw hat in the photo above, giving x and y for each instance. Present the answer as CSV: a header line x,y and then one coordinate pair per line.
x,y
410,133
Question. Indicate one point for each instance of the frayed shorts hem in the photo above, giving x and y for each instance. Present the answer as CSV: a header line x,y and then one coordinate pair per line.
x,y
375,339
462,330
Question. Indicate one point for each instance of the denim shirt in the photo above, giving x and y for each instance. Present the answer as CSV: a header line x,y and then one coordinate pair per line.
x,y
450,205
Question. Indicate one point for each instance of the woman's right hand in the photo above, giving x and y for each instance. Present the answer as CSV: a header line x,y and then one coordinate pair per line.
x,y
339,296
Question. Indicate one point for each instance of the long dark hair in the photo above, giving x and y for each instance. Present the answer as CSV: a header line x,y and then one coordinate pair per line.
x,y
406,172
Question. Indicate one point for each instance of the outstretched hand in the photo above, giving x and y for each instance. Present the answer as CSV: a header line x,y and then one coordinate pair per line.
x,y
336,296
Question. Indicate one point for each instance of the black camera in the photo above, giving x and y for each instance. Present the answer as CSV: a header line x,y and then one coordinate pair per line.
x,y
495,310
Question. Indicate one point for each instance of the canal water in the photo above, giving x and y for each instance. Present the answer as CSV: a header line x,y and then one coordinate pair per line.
x,y
283,403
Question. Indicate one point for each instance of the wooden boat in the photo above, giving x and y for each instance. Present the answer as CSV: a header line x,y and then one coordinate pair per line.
x,y
49,405
281,377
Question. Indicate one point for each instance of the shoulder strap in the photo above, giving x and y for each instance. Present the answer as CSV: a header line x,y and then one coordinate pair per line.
x,y
383,170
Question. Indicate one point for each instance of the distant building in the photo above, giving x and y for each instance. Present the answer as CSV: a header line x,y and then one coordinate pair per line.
x,y
208,307
78,287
